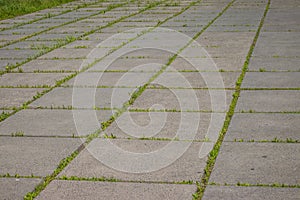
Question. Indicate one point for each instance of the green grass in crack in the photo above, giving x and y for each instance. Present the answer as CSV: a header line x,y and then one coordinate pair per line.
x,y
4,115
12,8
18,134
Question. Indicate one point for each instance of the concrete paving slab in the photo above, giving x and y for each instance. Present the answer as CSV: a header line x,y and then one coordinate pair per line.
x,y
9,62
90,23
52,21
281,28
17,188
249,193
54,122
52,65
70,29
278,38
239,20
184,100
130,51
257,163
148,17
21,31
112,79
82,44
67,53
226,50
9,54
113,43
263,126
279,4
10,37
187,167
15,97
282,50
137,24
283,16
170,125
31,79
85,98
106,190
274,64
114,30
233,39
231,28
271,80
198,80
52,37
38,45
207,64
186,23
269,101
26,155
130,64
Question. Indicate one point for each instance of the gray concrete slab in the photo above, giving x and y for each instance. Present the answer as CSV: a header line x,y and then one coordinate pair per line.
x,y
112,79
278,50
257,163
66,53
54,122
9,62
226,50
19,54
52,65
110,190
233,39
187,167
184,100
52,37
130,64
38,156
82,44
37,45
84,98
281,28
137,24
170,125
10,37
249,193
198,80
22,31
31,79
17,188
97,37
271,80
15,97
274,64
232,28
207,64
269,101
278,39
263,126
130,51
282,15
